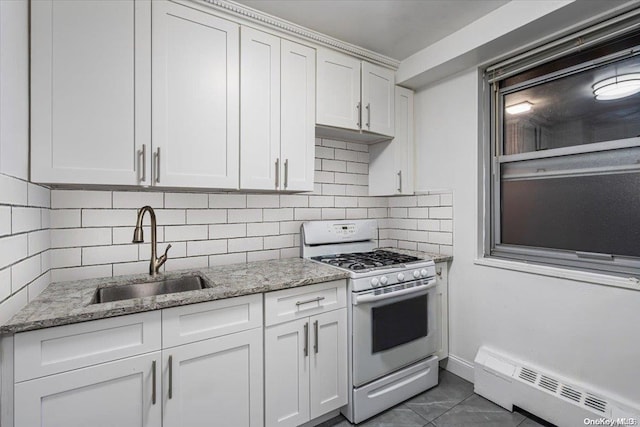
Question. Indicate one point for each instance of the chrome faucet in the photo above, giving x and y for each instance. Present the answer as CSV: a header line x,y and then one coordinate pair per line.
x,y
138,237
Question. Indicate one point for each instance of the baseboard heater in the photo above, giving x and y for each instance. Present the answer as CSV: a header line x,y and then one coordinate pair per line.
x,y
509,382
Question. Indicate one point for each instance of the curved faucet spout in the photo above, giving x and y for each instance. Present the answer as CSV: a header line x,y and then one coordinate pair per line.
x,y
138,237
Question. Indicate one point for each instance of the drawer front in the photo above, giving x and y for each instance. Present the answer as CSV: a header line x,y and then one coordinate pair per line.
x,y
291,304
195,322
63,348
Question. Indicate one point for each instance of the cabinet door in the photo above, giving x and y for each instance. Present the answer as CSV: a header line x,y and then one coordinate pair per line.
x,y
117,393
391,167
338,90
286,365
298,116
260,110
443,309
90,91
377,99
195,108
214,382
328,372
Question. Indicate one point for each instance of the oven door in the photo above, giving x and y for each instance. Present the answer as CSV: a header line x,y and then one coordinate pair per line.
x,y
393,328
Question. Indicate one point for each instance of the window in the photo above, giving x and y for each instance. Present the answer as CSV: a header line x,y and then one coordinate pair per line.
x,y
564,175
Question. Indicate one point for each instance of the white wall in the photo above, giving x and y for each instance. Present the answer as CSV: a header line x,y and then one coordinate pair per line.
x,y
583,331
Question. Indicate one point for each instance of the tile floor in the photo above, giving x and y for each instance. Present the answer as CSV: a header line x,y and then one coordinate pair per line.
x,y
452,403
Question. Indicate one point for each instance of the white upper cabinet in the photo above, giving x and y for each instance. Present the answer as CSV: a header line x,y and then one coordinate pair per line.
x,y
354,94
195,111
298,116
260,110
90,91
391,164
277,140
377,99
338,90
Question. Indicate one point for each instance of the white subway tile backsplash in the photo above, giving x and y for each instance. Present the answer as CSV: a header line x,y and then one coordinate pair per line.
x,y
263,255
12,305
446,225
360,168
183,233
278,242
441,212
321,201
402,201
323,177
137,199
5,283
24,272
74,237
25,219
81,273
227,201
263,201
69,257
334,165
357,190
440,238
376,213
307,214
446,199
124,235
354,146
65,218
244,215
263,229
334,189
245,244
428,247
355,213
5,220
227,231
333,213
293,200
108,217
206,216
325,153
429,224
290,253
333,144
45,261
12,249
14,191
346,202
290,227
168,217
137,267
350,156
206,247
282,214
185,200
38,196
418,213
39,241
184,263
402,244
225,259
429,200
45,215
36,287
69,199
109,254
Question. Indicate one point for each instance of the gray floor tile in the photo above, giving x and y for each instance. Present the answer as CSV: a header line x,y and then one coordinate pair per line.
x,y
399,416
477,411
528,422
450,391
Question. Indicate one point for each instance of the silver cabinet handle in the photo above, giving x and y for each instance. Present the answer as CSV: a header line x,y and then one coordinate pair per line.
x,y
368,116
315,332
358,107
306,339
170,377
286,173
153,382
277,172
399,181
142,158
309,300
439,272
157,158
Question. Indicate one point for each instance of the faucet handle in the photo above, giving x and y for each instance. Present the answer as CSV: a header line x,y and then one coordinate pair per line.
x,y
164,257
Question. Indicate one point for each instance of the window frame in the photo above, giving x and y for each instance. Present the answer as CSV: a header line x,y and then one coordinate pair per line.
x,y
491,102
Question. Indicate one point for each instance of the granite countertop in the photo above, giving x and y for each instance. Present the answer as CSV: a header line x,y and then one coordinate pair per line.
x,y
70,302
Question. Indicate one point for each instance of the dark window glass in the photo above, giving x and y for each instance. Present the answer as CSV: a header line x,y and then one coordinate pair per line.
x,y
564,111
399,323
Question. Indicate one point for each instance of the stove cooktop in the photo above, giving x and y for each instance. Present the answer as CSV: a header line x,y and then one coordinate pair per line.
x,y
367,261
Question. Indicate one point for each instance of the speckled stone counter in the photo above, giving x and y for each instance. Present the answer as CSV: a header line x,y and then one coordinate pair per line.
x,y
420,254
70,302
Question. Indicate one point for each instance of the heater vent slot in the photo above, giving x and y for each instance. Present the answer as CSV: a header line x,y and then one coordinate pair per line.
x,y
595,403
548,384
570,393
528,375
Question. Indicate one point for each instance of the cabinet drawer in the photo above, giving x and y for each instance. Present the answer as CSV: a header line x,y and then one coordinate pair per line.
x,y
63,348
182,325
291,304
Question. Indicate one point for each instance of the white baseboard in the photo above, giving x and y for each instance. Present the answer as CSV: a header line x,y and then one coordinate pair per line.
x,y
460,367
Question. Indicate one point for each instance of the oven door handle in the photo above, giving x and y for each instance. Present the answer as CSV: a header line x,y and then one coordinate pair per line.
x,y
360,299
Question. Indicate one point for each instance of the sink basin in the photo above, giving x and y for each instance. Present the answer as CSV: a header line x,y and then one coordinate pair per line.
x,y
147,289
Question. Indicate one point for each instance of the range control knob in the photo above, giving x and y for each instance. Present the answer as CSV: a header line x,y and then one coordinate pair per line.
x,y
375,282
400,277
416,274
384,280
423,272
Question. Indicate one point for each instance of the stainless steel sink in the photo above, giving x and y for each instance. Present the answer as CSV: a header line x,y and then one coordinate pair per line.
x,y
147,289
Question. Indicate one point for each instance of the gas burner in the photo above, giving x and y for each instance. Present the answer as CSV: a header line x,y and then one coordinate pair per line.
x,y
364,261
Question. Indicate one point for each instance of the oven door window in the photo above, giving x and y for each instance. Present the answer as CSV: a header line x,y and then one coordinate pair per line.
x,y
399,322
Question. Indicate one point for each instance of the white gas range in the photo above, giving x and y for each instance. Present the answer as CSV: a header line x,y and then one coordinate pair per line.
x,y
393,327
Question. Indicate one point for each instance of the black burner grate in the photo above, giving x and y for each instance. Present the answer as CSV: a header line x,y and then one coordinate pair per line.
x,y
366,260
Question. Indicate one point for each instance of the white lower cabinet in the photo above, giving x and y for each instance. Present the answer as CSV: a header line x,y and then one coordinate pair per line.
x,y
306,358
215,381
120,393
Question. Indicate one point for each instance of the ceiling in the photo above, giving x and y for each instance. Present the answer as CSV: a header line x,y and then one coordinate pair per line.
x,y
395,28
